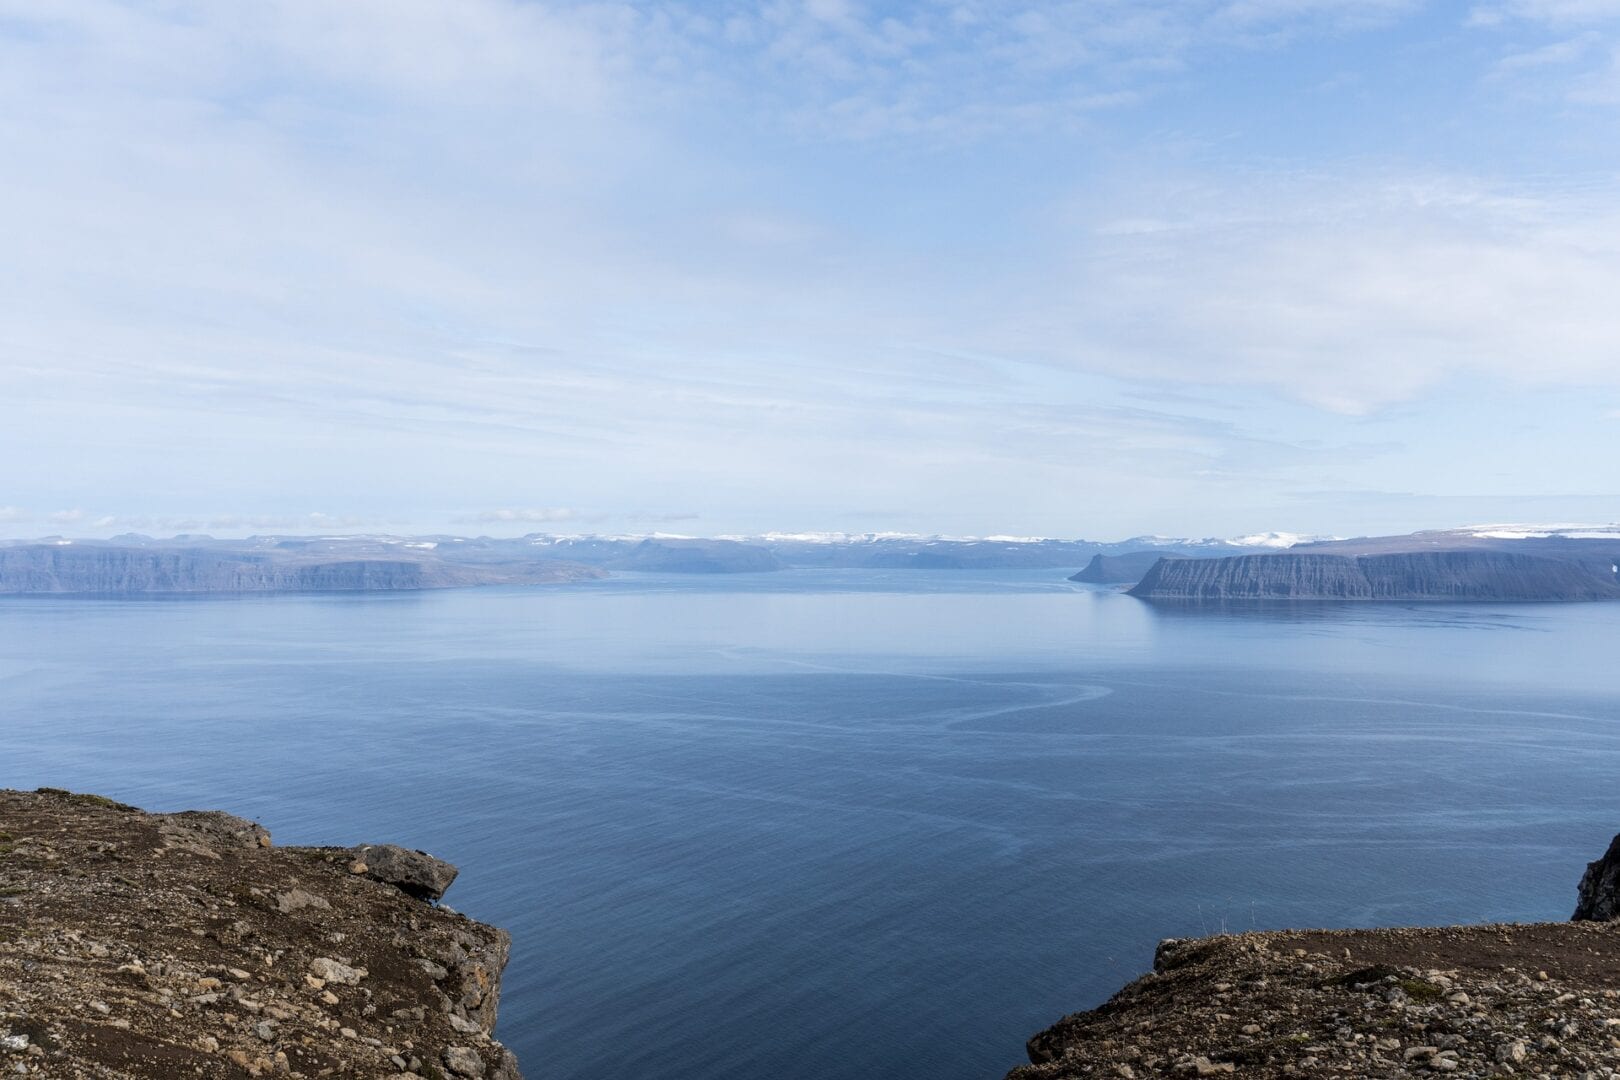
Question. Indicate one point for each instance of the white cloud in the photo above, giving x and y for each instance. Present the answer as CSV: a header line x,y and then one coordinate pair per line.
x,y
469,51
541,515
1554,54
1582,63
9,514
102,523
560,515
1351,294
966,69
1556,12
631,250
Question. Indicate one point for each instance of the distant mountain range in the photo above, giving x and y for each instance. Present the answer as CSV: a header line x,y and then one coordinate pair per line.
x,y
133,564
1485,562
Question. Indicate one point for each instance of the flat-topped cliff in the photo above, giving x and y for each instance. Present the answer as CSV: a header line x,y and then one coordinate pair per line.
x,y
1455,575
111,570
139,946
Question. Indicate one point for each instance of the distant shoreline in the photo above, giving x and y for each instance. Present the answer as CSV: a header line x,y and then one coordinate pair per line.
x,y
1468,565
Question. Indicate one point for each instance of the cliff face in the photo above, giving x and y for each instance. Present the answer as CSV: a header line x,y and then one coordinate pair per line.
x,y
140,946
1118,569
43,569
1417,575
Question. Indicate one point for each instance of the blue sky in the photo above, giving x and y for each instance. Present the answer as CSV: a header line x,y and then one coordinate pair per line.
x,y
1193,267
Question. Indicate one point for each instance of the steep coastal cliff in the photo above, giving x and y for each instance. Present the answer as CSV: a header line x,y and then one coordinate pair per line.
x,y
1118,569
139,946
103,570
1415,575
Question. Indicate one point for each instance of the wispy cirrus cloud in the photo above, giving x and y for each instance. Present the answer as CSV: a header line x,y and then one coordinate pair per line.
x,y
1566,49
974,68
1553,12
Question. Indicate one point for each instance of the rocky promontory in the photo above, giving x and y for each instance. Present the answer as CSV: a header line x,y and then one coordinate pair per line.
x,y
158,946
1539,1000
1126,569
1522,999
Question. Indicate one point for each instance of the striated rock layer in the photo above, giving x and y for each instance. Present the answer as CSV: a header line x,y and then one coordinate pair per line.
x,y
1538,1000
102,570
162,946
1417,575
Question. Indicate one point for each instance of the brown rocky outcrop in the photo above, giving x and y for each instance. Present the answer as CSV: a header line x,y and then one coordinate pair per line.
x,y
158,946
1538,999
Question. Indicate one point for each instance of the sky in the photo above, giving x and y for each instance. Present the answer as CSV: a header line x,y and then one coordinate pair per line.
x,y
1074,269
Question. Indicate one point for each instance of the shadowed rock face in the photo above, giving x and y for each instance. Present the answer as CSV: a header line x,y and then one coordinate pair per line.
x,y
1118,569
1599,894
1474,575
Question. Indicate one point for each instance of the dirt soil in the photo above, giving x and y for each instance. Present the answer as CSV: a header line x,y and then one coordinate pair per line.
x,y
166,946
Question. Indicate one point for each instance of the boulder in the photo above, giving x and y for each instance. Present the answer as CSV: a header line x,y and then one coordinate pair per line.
x,y
414,872
1598,897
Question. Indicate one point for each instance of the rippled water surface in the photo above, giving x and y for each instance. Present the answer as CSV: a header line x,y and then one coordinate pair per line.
x,y
823,824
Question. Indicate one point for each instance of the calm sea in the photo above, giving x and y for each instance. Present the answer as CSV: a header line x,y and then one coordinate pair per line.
x,y
839,824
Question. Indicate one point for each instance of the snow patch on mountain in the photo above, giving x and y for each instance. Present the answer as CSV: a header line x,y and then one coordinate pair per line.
x,y
1544,532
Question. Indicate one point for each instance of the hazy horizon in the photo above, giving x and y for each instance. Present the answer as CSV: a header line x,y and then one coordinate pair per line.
x,y
1260,538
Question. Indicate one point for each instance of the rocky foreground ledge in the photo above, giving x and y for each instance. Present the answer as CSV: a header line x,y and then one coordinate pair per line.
x,y
164,946
1515,999
1522,999
1532,1000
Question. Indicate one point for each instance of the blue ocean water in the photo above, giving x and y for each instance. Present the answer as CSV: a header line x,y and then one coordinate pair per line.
x,y
824,824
